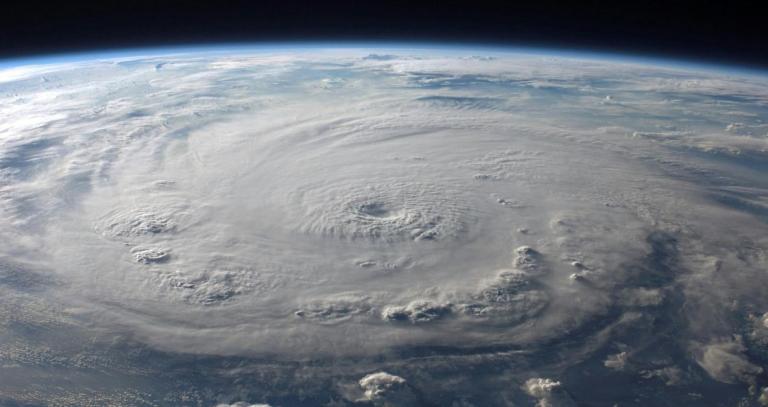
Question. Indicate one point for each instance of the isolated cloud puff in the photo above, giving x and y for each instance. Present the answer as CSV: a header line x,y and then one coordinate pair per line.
x,y
384,389
549,393
725,361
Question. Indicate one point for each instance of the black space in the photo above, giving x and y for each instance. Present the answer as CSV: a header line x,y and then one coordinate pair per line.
x,y
720,32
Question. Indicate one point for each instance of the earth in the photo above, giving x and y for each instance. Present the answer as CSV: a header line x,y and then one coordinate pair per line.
x,y
369,226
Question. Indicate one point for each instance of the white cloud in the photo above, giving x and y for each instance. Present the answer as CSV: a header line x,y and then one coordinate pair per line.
x,y
725,361
616,361
548,392
385,389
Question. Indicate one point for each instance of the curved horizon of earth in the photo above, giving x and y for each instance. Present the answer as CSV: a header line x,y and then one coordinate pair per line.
x,y
369,226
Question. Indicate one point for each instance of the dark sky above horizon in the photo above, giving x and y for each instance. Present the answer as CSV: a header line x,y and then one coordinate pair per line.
x,y
723,32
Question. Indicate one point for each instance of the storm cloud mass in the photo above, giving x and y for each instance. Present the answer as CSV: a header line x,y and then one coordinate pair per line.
x,y
399,227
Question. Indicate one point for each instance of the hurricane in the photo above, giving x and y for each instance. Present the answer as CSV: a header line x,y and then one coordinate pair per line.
x,y
344,226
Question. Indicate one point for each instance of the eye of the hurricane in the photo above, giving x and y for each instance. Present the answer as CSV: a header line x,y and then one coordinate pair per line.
x,y
379,210
390,211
